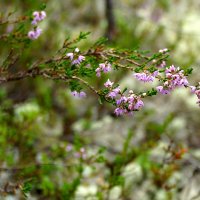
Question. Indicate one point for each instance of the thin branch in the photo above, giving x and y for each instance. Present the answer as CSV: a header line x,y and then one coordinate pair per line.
x,y
122,58
123,66
85,83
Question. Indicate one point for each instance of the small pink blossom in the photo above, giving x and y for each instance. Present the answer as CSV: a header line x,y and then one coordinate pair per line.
x,y
193,89
163,50
76,59
123,99
103,67
108,83
82,94
139,104
98,72
79,94
34,34
162,90
197,92
119,111
162,64
38,16
69,147
113,93
146,76
70,55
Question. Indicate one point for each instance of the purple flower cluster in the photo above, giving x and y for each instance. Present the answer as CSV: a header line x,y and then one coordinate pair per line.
x,y
79,94
38,16
196,90
125,104
174,78
146,76
36,32
75,58
103,67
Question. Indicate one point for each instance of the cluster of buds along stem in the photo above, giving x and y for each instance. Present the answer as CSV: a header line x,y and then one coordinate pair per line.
x,y
36,32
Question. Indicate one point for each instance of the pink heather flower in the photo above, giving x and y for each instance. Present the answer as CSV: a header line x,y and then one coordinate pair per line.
x,y
102,65
33,35
75,61
193,89
98,72
197,92
75,93
38,16
69,147
112,94
103,68
106,68
81,154
108,83
175,78
38,31
79,94
116,90
42,15
70,55
145,76
82,95
123,99
171,69
120,111
131,106
126,105
162,90
131,99
139,104
162,64
163,50
81,58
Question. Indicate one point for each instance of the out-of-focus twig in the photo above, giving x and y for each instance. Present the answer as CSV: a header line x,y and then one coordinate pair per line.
x,y
111,25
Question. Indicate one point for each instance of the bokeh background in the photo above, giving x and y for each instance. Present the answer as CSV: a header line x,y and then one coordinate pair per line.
x,y
40,122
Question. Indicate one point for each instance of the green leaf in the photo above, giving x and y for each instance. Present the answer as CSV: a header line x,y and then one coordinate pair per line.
x,y
188,71
43,6
100,41
83,35
152,92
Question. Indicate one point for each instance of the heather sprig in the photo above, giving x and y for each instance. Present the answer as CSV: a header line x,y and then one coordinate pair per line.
x,y
36,32
76,68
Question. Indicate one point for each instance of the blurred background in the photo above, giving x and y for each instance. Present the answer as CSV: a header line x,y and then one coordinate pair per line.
x,y
40,122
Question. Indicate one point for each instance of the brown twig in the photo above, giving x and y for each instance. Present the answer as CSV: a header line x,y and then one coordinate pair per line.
x,y
85,83
122,58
